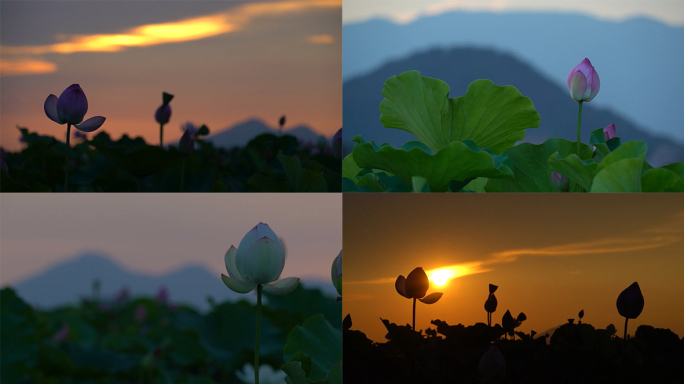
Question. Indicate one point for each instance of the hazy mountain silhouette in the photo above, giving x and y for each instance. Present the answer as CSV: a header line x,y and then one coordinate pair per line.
x,y
458,67
639,60
241,133
68,281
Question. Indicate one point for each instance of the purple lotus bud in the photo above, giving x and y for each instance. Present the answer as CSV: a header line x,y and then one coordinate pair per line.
x,y
609,132
163,295
187,144
560,182
583,82
163,114
71,107
491,303
189,127
337,144
630,303
492,365
62,335
140,313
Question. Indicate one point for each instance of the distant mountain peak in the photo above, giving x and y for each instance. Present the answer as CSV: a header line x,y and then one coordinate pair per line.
x,y
241,133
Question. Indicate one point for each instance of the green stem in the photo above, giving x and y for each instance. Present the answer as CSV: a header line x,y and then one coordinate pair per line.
x,y
258,335
182,173
66,159
414,313
579,128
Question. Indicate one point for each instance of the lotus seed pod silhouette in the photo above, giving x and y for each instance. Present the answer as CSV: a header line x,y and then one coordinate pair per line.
x,y
630,303
583,81
70,108
581,315
609,132
336,273
163,113
258,260
492,365
493,288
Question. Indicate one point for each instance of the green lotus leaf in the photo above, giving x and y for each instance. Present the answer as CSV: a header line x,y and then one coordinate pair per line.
x,y
458,161
530,164
620,176
320,341
489,115
581,172
658,179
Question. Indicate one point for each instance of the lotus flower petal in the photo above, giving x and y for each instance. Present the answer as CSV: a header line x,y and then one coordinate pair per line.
x,y
262,262
229,259
283,286
521,317
432,298
336,273
417,283
72,105
583,81
609,132
276,259
630,303
50,108
91,124
236,285
577,86
400,286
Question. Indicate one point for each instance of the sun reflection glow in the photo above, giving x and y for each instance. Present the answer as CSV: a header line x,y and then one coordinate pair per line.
x,y
441,276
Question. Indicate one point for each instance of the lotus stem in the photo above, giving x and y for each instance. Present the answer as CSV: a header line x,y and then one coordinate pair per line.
x,y
66,159
258,335
414,313
182,174
579,128
161,135
625,337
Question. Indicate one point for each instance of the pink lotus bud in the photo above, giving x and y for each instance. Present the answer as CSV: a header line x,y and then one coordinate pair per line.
x,y
609,132
71,107
560,182
583,82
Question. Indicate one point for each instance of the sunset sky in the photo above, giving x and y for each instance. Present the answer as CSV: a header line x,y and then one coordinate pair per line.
x,y
225,62
551,255
157,233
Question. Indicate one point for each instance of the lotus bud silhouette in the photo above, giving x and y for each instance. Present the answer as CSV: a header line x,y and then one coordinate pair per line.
x,y
281,123
187,143
414,287
630,303
492,365
70,109
337,144
491,303
581,315
163,115
336,274
609,132
560,182
583,81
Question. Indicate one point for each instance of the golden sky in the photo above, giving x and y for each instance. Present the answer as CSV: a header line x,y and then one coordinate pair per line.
x,y
225,62
551,255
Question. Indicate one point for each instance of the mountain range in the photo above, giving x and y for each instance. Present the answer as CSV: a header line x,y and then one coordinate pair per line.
x,y
240,134
66,282
639,60
458,67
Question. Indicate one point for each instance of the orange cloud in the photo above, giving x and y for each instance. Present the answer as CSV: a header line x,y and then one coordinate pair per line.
x,y
25,67
320,39
197,28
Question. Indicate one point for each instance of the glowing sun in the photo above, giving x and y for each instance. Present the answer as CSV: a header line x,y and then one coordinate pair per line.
x,y
440,276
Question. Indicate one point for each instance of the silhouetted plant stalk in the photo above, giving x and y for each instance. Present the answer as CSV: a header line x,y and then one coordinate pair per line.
x,y
162,116
257,263
281,123
414,287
